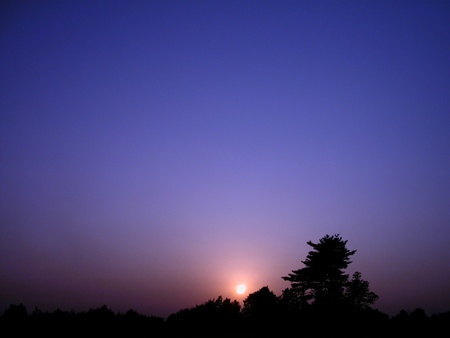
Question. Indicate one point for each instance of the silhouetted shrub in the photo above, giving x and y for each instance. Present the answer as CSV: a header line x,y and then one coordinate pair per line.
x,y
216,317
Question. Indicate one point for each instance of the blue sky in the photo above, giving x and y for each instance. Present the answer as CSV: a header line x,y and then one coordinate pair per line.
x,y
157,153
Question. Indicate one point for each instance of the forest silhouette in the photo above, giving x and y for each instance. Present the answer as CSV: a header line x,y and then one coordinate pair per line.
x,y
322,301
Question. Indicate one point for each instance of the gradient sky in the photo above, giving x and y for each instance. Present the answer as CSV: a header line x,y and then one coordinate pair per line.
x,y
154,154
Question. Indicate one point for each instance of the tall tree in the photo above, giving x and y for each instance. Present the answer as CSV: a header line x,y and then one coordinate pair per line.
x,y
322,281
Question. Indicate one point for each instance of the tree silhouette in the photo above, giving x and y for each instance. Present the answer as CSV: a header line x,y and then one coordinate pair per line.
x,y
358,294
214,317
261,304
16,312
290,300
322,281
261,312
323,293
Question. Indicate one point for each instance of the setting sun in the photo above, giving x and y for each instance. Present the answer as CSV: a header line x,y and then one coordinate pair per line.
x,y
241,288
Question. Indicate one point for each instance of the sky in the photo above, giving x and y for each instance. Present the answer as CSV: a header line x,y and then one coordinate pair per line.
x,y
155,154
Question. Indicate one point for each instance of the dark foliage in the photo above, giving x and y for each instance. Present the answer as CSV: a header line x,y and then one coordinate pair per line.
x,y
418,324
100,322
357,293
216,317
262,312
322,281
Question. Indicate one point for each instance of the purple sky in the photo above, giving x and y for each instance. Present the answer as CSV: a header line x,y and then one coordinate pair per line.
x,y
154,154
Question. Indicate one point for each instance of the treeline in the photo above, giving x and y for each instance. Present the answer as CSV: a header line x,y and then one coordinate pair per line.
x,y
264,314
322,301
99,322
267,316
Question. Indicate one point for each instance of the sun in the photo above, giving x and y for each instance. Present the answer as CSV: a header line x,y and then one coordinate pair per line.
x,y
241,288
